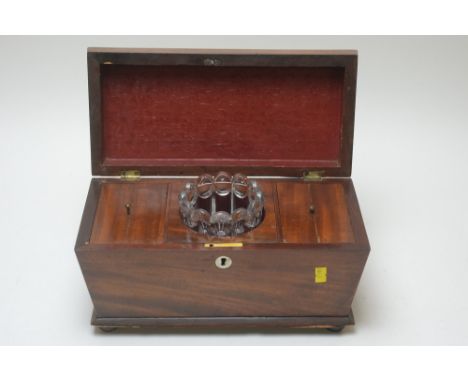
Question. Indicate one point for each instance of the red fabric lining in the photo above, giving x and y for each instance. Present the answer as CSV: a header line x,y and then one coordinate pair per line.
x,y
252,116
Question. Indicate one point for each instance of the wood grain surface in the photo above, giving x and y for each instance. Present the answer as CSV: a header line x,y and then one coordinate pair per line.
x,y
130,213
147,212
149,265
185,283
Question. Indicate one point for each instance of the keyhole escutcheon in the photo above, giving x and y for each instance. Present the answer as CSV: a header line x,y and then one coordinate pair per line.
x,y
223,262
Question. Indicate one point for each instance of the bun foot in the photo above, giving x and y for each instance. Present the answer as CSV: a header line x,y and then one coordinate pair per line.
x,y
107,329
336,329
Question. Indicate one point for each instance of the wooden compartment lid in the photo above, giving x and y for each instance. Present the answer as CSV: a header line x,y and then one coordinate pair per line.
x,y
185,112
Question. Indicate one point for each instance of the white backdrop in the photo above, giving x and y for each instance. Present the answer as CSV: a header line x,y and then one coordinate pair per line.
x,y
409,170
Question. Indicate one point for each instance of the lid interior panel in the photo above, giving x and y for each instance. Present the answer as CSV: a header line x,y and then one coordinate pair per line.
x,y
169,113
231,115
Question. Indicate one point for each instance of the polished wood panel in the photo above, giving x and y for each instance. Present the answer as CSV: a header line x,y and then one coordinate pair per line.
x,y
130,213
328,222
140,275
135,282
331,213
298,224
288,218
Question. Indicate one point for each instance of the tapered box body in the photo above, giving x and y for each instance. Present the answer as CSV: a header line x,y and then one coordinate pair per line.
x,y
284,119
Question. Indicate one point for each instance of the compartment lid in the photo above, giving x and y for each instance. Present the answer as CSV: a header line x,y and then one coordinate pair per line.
x,y
185,112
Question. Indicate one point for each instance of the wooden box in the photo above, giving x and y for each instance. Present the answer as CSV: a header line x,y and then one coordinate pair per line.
x,y
160,117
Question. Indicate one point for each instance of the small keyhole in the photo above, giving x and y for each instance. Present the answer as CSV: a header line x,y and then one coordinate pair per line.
x,y
128,208
223,262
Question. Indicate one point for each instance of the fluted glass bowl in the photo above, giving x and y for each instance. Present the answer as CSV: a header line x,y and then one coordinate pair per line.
x,y
222,205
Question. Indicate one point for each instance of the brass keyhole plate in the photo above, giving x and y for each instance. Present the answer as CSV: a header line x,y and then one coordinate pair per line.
x,y
223,262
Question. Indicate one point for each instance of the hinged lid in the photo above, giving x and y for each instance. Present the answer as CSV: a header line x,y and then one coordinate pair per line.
x,y
185,112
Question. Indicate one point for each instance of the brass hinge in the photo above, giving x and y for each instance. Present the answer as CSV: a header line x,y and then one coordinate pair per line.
x,y
130,175
312,176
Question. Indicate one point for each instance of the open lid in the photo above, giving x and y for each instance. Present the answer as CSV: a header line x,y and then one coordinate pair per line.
x,y
186,112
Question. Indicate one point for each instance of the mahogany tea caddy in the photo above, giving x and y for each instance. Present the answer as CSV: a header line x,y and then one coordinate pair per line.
x,y
160,118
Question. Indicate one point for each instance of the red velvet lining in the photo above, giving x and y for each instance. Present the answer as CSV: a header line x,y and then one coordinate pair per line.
x,y
245,116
